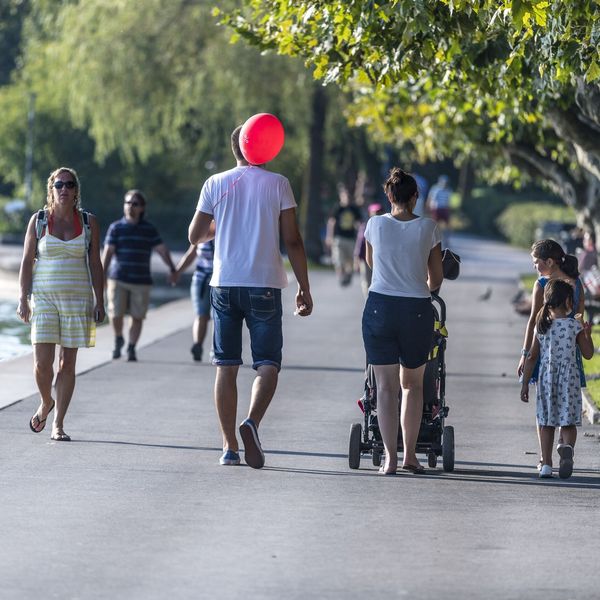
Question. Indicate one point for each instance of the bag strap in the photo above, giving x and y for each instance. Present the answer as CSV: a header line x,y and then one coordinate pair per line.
x,y
87,228
41,223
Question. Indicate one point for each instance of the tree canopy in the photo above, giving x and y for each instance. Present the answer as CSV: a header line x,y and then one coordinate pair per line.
x,y
513,79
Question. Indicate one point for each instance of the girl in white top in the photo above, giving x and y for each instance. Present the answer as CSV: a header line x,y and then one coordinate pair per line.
x,y
405,254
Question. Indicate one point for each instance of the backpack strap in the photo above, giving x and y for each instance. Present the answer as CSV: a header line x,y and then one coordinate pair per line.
x,y
87,228
41,223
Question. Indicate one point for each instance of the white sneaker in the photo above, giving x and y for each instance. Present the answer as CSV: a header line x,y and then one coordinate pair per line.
x,y
546,472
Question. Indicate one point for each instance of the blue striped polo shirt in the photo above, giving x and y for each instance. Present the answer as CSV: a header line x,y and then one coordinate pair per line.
x,y
133,244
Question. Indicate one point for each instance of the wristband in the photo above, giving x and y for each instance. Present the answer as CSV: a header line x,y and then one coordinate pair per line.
x,y
524,352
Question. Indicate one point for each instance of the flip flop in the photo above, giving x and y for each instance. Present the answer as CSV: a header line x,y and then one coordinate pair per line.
x,y
382,471
60,437
420,470
41,422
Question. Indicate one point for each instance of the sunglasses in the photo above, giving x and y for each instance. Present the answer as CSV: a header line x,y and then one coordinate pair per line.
x,y
132,203
68,184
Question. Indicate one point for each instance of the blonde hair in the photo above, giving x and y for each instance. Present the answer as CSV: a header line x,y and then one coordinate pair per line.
x,y
50,188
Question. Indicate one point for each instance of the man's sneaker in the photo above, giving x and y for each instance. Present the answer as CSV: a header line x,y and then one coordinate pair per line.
x,y
546,472
119,343
196,351
253,454
565,467
131,357
229,458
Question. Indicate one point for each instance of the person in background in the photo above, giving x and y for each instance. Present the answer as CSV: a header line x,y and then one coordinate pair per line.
x,y
438,204
587,256
405,254
199,290
249,211
128,248
423,188
360,250
341,236
61,272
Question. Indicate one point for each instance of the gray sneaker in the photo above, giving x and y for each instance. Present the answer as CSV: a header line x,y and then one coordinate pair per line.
x,y
565,466
253,454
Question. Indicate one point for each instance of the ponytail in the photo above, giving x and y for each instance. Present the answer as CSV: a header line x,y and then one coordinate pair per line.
x,y
543,319
556,294
570,266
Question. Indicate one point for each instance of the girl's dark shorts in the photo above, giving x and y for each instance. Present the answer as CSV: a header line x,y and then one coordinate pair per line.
x,y
397,330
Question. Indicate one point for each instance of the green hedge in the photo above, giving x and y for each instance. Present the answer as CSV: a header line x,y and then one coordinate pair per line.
x,y
518,222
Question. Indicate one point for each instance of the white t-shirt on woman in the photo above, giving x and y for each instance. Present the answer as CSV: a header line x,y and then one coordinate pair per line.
x,y
400,254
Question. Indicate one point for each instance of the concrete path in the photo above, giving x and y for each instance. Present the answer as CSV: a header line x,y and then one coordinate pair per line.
x,y
137,506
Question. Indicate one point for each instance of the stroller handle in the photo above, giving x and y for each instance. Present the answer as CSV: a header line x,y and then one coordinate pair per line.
x,y
442,305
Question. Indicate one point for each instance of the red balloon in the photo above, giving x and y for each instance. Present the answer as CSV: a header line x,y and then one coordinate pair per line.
x,y
261,138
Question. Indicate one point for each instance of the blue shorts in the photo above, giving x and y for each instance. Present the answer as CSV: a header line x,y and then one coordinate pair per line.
x,y
397,330
200,292
261,309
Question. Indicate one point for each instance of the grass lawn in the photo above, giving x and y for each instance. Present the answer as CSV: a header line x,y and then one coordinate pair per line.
x,y
592,367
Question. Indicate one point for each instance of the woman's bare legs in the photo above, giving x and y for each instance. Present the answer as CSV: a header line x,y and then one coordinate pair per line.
x,y
412,411
388,389
65,384
43,370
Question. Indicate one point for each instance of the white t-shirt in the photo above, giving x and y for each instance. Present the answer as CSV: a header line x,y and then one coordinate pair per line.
x,y
246,203
400,254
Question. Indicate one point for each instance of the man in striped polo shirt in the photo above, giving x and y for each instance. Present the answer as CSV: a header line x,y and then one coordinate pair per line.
x,y
130,242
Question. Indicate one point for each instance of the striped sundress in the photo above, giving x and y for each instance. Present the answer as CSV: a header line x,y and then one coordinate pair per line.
x,y
62,295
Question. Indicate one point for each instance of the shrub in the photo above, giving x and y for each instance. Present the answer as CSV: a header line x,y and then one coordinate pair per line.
x,y
518,222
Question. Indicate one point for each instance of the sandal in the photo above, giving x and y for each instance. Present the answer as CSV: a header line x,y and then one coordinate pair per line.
x,y
60,436
414,469
382,471
36,428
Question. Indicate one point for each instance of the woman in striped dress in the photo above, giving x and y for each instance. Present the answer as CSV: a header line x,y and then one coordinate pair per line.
x,y
62,293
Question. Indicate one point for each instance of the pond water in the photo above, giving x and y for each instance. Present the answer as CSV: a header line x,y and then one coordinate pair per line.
x,y
14,335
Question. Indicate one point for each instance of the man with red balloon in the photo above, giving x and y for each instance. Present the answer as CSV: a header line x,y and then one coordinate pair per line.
x,y
248,210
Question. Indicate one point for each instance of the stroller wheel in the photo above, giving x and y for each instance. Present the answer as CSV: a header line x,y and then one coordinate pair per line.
x,y
354,446
376,458
432,460
448,448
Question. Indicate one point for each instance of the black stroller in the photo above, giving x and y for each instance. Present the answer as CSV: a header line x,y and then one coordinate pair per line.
x,y
435,438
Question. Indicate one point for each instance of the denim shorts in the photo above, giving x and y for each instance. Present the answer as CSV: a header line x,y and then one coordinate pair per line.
x,y
261,309
397,330
200,292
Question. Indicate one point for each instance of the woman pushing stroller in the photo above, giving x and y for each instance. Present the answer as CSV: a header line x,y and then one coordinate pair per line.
x,y
405,254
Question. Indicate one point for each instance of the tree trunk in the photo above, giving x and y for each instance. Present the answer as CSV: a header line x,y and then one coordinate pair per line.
x,y
466,180
312,216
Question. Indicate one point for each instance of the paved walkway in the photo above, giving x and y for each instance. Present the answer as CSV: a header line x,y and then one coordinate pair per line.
x,y
137,507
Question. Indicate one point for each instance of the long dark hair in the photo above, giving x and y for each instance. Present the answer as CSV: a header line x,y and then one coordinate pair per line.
x,y
399,187
546,249
556,294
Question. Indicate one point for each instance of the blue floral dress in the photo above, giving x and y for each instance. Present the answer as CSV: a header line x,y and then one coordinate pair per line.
x,y
558,399
578,289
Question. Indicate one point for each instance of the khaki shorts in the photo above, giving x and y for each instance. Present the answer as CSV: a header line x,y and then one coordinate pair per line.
x,y
127,298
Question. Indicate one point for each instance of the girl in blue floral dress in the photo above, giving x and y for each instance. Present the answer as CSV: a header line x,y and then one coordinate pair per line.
x,y
558,397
